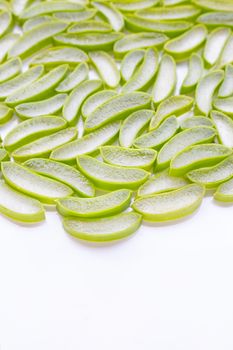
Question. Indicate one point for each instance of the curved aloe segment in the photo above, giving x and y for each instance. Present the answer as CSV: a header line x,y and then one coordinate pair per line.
x,y
35,21
6,43
19,207
217,5
224,192
165,82
227,53
212,176
174,13
72,106
104,229
106,68
130,63
105,205
5,22
226,88
161,182
224,126
171,205
45,107
24,180
126,157
111,177
215,44
10,69
4,155
63,173
189,137
157,137
74,78
144,75
215,19
131,6
96,100
191,122
205,91
38,89
86,144
36,38
74,17
31,130
224,105
117,107
111,14
5,113
194,74
174,105
182,46
91,26
45,145
198,156
133,125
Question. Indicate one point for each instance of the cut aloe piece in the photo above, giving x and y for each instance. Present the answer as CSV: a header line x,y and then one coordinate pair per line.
x,y
40,88
19,207
104,229
189,137
111,14
111,177
182,46
24,180
5,22
198,156
130,63
45,145
106,68
194,74
32,129
215,19
165,82
51,106
133,125
212,176
205,91
96,100
226,88
105,205
224,192
6,44
72,106
161,182
36,38
172,205
91,26
224,126
191,122
227,53
117,107
131,6
224,105
215,44
74,78
5,113
4,155
174,13
174,105
86,144
89,41
74,17
217,5
157,137
10,69
63,173
144,75
35,21
127,157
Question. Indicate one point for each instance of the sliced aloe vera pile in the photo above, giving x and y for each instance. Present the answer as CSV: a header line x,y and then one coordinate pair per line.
x,y
191,122
96,100
215,44
10,69
130,63
111,14
91,26
226,88
224,126
224,192
104,229
74,78
173,13
172,205
217,5
215,19
224,105
194,74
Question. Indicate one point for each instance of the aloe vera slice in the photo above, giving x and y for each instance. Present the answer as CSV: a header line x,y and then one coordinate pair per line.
x,y
63,173
6,43
10,69
215,44
171,205
191,122
105,205
174,13
91,26
96,100
32,129
212,176
103,229
165,82
126,157
194,74
74,78
224,105
226,88
189,137
86,144
144,75
117,107
111,14
132,126
24,180
205,91
215,19
161,182
227,53
224,192
106,68
130,63
217,5
182,46
198,156
131,6
45,145
174,105
111,177
224,126
36,38
74,17
5,113
35,21
72,106
40,88
5,22
19,207
4,155
157,137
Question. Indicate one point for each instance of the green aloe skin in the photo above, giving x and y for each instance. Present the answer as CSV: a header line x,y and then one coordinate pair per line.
x,y
103,131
